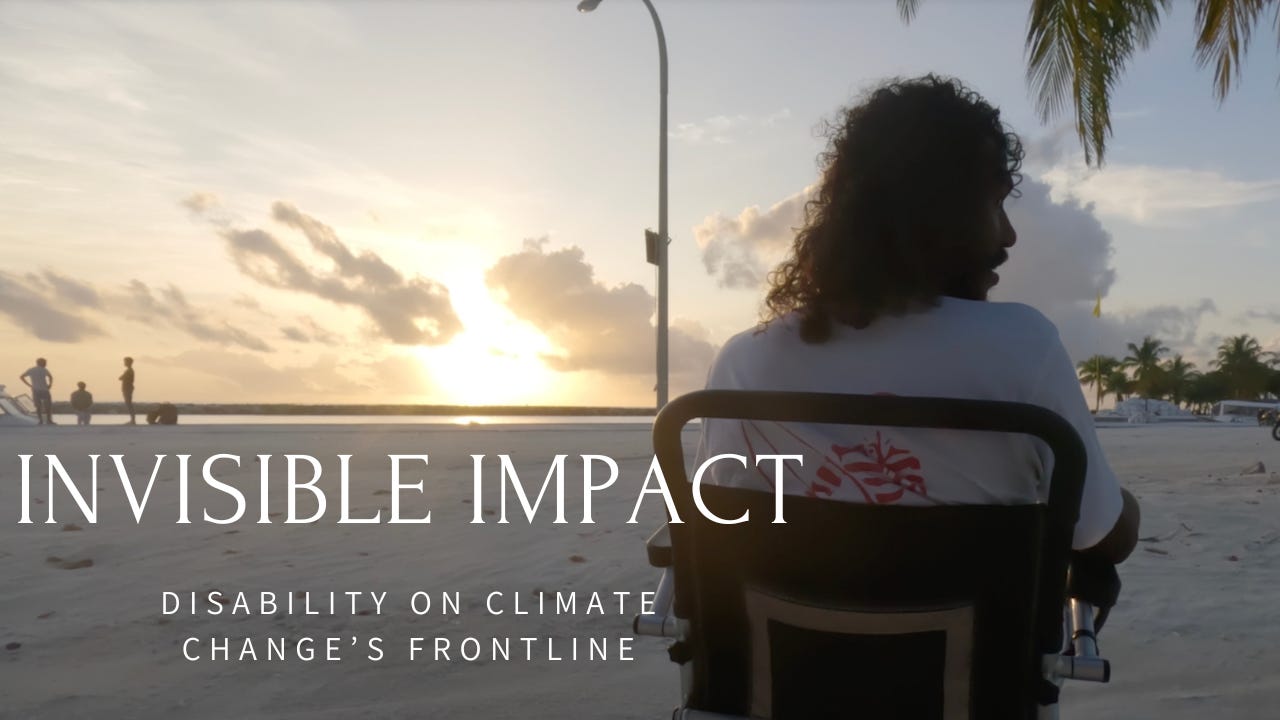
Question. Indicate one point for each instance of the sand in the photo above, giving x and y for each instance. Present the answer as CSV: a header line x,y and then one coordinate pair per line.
x,y
1193,634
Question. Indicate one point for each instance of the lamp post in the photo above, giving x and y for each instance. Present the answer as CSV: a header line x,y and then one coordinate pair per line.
x,y
659,257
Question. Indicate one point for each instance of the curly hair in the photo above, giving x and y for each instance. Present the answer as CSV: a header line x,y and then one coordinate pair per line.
x,y
897,219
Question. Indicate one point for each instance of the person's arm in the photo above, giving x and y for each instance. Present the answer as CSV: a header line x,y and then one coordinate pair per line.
x,y
49,377
1107,528
24,379
1116,547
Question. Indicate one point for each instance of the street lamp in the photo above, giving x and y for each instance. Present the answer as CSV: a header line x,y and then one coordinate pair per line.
x,y
659,257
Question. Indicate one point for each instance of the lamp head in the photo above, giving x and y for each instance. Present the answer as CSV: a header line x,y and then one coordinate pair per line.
x,y
587,6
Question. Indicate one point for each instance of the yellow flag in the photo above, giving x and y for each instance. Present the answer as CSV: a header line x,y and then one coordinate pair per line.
x,y
1097,307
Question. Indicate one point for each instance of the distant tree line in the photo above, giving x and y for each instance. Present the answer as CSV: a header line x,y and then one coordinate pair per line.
x,y
1241,370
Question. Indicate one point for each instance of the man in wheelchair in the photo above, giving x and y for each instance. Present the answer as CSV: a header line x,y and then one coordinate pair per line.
x,y
884,293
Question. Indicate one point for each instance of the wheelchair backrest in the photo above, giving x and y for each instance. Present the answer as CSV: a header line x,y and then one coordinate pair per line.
x,y
877,611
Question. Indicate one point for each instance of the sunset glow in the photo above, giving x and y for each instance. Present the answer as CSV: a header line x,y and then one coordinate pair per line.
x,y
293,201
494,361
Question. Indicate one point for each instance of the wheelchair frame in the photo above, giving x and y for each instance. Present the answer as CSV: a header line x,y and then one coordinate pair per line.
x,y
1078,657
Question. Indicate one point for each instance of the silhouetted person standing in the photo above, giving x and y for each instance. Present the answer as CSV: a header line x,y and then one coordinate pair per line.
x,y
82,403
126,387
40,380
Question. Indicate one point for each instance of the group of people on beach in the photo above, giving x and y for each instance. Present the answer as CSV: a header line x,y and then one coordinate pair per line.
x,y
40,381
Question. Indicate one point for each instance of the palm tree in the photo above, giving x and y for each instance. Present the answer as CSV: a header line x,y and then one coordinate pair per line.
x,y
1239,360
1079,49
1206,389
1274,382
1118,384
1093,371
1178,375
1272,360
1239,350
1144,359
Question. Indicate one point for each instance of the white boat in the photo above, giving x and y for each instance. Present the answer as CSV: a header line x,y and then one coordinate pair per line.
x,y
1241,411
16,411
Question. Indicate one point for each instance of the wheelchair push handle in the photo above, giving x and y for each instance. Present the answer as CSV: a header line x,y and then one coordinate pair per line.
x,y
661,622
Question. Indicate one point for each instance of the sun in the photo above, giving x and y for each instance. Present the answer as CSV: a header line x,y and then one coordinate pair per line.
x,y
471,370
495,360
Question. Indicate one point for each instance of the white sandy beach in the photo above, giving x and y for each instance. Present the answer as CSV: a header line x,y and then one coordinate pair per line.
x,y
1194,633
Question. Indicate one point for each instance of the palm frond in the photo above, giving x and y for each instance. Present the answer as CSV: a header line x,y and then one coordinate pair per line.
x,y
1078,49
1276,22
1225,26
907,9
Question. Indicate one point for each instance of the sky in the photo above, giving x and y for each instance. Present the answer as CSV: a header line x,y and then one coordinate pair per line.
x,y
444,202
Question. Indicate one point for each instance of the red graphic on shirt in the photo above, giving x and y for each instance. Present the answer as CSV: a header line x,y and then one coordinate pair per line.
x,y
880,470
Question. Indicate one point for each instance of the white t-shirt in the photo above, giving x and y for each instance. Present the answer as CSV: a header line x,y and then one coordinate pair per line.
x,y
959,349
38,376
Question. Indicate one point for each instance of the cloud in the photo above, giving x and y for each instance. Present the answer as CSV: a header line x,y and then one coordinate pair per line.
x,y
724,129
1177,326
366,267
170,306
67,290
1054,148
309,331
1258,314
739,251
245,375
208,206
1142,194
31,307
407,311
1061,263
249,303
200,202
595,326
1063,253
58,308
110,78
328,379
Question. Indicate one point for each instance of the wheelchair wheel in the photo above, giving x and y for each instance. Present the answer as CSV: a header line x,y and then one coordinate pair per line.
x,y
1275,431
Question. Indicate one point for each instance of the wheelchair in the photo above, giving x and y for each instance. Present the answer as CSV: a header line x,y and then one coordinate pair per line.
x,y
864,611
